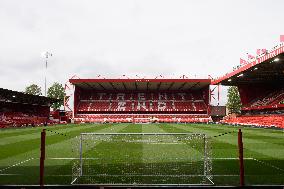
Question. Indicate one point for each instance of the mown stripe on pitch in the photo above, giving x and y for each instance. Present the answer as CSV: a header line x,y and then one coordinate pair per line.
x,y
253,144
67,166
53,150
111,151
257,134
23,137
34,152
264,133
191,155
30,130
260,130
199,129
169,129
213,129
266,139
264,147
28,145
23,130
248,151
247,145
219,144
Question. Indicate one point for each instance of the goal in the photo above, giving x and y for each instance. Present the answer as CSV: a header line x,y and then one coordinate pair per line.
x,y
142,159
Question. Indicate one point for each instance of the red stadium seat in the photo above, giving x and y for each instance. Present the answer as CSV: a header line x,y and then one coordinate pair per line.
x,y
258,120
118,102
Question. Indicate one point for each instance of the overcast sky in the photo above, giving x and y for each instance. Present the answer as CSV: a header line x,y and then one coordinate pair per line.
x,y
133,37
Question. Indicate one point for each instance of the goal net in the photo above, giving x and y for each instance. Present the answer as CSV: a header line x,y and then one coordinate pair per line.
x,y
142,159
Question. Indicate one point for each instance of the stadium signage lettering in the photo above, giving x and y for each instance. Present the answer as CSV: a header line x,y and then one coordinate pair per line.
x,y
270,55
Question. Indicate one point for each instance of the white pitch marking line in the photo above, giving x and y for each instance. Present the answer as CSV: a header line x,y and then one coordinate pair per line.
x,y
9,174
74,181
264,163
232,158
16,164
210,180
70,158
165,143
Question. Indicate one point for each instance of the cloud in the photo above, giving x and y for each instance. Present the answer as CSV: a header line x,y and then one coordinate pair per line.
x,y
113,38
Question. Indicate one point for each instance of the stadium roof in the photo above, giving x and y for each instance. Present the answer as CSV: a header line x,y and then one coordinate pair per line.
x,y
141,84
9,96
265,69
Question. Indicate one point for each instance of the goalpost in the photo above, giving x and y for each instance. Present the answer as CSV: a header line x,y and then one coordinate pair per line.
x,y
142,159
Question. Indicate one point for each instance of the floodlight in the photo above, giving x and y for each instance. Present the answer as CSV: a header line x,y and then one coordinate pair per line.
x,y
42,54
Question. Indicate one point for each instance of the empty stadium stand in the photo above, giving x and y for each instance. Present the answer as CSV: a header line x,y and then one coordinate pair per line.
x,y
260,85
141,101
158,102
257,120
19,109
270,99
19,119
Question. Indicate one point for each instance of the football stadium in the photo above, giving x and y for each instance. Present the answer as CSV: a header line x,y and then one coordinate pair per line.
x,y
141,94
149,132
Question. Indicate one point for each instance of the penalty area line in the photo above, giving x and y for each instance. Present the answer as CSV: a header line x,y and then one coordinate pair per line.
x,y
16,164
62,158
268,164
231,158
10,174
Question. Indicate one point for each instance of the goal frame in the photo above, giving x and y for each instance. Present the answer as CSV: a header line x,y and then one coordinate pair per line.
x,y
207,164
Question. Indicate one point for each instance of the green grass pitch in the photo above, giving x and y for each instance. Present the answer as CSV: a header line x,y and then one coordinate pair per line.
x,y
20,151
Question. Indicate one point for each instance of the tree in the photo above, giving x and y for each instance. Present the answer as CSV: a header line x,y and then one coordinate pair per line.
x,y
56,91
234,101
33,89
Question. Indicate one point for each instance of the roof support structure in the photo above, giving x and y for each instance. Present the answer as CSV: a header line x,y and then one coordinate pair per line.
x,y
172,84
124,86
9,96
113,86
194,85
136,86
182,86
159,85
102,86
89,85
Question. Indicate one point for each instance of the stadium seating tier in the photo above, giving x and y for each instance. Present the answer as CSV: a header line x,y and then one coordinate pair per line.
x,y
257,120
139,102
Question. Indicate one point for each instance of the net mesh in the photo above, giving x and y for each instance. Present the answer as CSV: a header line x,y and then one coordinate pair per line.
x,y
142,159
